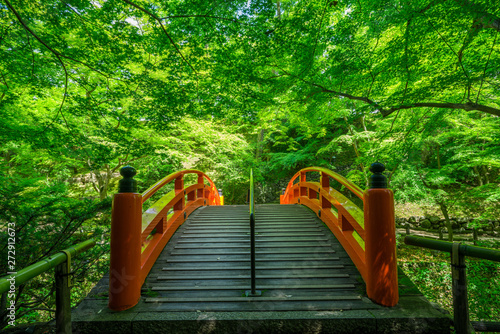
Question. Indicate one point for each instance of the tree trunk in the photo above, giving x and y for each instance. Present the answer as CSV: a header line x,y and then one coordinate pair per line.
x,y
444,210
100,181
438,157
260,149
363,124
485,173
356,151
479,178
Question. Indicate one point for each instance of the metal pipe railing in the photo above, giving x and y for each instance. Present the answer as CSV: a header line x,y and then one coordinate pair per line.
x,y
43,265
253,292
61,262
459,279
446,246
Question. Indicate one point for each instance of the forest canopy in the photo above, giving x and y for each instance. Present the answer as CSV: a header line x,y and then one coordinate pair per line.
x,y
235,58
87,87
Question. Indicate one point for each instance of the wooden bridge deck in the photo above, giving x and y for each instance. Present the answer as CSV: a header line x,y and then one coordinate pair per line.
x,y
306,279
299,264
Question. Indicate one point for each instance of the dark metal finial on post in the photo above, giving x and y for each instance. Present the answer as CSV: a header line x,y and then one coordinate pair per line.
x,y
378,180
127,184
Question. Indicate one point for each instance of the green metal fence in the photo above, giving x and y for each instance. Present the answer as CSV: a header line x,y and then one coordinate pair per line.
x,y
459,280
62,263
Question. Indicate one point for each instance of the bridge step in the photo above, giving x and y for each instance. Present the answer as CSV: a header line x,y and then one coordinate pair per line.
x,y
246,226
214,234
264,220
244,230
246,287
249,300
229,293
224,245
269,259
261,276
329,251
246,268
245,240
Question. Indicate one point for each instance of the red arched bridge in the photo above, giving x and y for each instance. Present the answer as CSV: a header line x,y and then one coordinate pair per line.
x,y
183,262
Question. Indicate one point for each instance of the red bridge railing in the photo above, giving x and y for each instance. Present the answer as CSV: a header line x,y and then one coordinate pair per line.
x,y
368,236
138,237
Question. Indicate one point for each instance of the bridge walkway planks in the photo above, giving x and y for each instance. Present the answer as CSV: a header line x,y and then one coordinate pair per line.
x,y
299,264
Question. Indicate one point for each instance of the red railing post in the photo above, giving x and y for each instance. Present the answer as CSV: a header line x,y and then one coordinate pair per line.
x,y
200,191
206,195
303,190
179,186
325,184
125,258
380,240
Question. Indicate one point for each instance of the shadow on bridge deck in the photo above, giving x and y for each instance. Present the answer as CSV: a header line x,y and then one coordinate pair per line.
x,y
308,283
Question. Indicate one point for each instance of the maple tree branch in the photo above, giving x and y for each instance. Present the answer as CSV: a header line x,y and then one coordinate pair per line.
x,y
486,66
456,54
469,106
386,111
55,53
203,16
316,41
159,20
6,85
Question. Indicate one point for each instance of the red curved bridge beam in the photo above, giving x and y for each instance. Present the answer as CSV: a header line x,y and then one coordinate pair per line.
x,y
138,236
369,236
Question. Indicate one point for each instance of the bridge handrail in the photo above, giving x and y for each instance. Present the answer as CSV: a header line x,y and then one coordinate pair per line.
x,y
341,179
169,178
62,262
138,238
458,253
252,292
368,237
251,201
446,246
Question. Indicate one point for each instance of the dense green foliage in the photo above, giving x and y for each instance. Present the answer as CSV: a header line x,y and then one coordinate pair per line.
x,y
87,87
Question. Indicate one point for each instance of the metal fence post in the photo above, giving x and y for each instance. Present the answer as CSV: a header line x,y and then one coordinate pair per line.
x,y
459,290
63,297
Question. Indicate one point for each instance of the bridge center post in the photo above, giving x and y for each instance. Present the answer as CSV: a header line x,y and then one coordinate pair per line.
x,y
253,292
